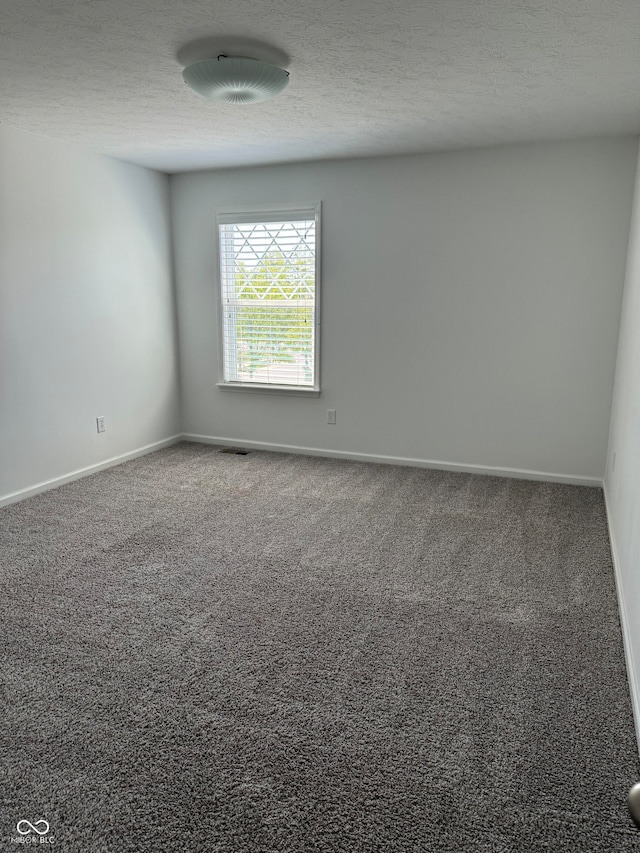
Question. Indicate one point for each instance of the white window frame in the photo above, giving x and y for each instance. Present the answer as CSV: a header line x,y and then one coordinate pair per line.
x,y
269,213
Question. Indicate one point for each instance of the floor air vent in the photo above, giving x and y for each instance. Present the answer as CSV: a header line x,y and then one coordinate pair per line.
x,y
238,451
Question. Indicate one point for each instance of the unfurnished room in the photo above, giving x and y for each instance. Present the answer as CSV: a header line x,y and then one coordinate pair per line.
x,y
320,426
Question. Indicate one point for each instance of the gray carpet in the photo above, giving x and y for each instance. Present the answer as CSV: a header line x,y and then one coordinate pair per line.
x,y
266,653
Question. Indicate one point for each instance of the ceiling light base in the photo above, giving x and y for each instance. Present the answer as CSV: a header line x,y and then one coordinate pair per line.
x,y
236,79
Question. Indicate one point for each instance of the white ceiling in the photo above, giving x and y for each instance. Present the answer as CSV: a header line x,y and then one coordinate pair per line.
x,y
367,76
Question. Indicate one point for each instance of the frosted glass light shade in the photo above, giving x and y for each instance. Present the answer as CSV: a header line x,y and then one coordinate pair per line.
x,y
235,79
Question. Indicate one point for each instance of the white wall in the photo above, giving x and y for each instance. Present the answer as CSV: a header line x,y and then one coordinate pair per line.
x,y
87,322
622,483
471,303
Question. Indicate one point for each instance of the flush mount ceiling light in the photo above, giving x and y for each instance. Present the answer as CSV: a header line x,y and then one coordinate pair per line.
x,y
236,79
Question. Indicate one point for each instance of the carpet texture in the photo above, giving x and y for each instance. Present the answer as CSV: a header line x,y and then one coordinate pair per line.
x,y
270,653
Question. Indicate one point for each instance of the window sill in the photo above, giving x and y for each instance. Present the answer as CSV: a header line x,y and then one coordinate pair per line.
x,y
285,390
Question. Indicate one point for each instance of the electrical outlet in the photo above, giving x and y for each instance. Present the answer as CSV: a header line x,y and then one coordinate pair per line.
x,y
100,424
331,416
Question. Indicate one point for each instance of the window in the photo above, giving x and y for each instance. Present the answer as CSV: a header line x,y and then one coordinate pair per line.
x,y
268,291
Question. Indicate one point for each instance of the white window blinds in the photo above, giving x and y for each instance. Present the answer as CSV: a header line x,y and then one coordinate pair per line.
x,y
268,292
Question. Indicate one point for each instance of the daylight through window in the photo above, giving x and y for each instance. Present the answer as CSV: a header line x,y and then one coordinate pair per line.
x,y
268,292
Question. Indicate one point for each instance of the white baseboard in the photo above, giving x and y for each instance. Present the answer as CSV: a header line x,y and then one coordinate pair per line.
x,y
634,687
13,497
517,473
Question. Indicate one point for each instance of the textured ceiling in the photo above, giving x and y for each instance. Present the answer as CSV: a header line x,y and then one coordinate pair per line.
x,y
367,76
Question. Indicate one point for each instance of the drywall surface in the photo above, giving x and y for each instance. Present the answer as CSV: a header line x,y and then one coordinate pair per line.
x,y
87,313
470,304
622,480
